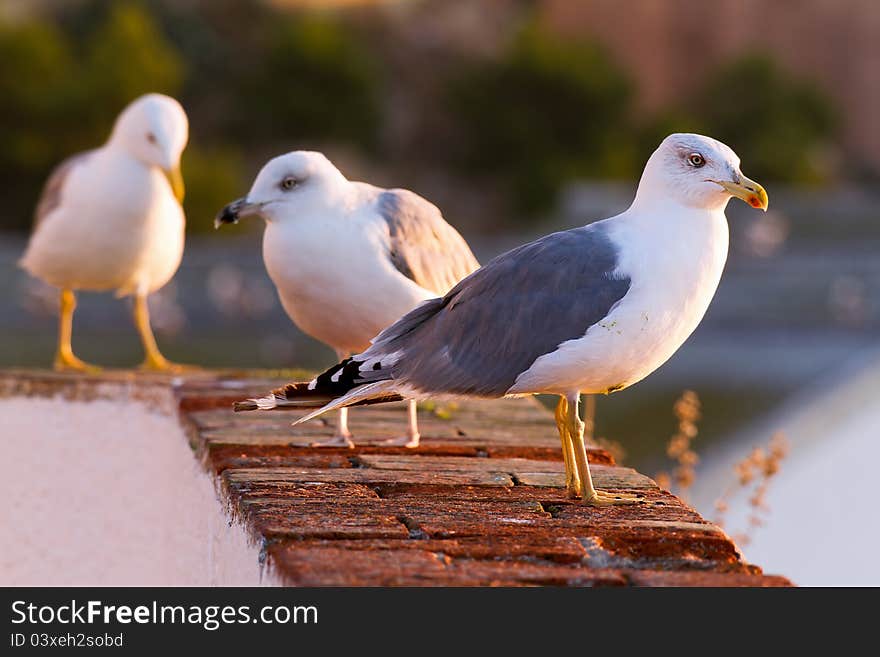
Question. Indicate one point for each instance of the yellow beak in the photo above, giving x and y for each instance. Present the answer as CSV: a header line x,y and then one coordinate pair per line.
x,y
748,190
175,179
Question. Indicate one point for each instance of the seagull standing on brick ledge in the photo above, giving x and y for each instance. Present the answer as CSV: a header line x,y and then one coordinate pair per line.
x,y
348,259
589,310
111,219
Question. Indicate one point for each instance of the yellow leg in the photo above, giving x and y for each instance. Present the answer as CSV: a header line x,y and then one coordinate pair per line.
x,y
572,480
64,358
589,494
153,358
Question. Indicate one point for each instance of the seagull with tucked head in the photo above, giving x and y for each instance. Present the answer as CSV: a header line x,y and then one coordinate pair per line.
x,y
594,309
347,258
111,219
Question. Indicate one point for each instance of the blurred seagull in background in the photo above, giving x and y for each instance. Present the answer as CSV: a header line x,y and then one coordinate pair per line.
x,y
348,259
589,310
111,219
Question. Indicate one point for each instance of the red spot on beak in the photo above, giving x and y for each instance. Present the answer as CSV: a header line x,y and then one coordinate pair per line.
x,y
754,201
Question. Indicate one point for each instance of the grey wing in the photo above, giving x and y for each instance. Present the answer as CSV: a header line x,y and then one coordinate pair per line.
x,y
423,247
494,324
54,187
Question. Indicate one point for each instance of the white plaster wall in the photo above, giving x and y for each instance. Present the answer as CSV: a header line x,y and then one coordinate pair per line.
x,y
823,525
109,493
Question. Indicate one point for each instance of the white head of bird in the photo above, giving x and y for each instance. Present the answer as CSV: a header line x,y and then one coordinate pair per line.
x,y
153,129
288,186
698,172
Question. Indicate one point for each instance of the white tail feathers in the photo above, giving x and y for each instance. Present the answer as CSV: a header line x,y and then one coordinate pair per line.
x,y
276,401
266,403
357,395
258,404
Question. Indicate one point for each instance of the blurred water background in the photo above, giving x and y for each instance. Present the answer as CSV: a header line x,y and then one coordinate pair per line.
x,y
516,118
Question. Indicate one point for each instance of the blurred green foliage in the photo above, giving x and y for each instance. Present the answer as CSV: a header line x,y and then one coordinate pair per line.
x,y
315,83
778,123
548,111
261,86
33,130
651,131
128,56
31,114
213,178
257,81
61,95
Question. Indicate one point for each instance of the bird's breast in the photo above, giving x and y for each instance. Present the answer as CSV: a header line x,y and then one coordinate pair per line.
x,y
672,281
674,277
117,227
336,283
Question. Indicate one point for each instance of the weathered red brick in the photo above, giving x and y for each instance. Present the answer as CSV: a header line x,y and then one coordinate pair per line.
x,y
480,503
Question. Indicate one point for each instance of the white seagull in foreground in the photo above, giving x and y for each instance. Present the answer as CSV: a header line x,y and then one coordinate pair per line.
x,y
348,259
111,219
589,310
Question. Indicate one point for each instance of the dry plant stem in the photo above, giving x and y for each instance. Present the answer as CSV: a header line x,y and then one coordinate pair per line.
x,y
687,411
754,473
589,418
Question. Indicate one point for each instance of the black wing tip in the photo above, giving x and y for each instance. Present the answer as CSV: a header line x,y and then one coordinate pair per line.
x,y
246,405
335,381
295,390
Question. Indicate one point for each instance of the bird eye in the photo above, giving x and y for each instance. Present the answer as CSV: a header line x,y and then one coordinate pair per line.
x,y
288,183
696,160
151,138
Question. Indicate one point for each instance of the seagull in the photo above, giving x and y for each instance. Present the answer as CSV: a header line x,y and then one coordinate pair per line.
x,y
111,219
349,259
593,310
